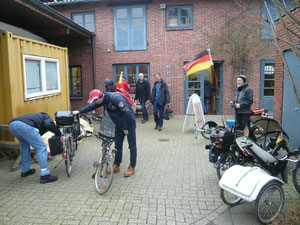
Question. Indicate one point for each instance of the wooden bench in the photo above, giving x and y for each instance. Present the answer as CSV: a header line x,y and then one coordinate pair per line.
x,y
13,146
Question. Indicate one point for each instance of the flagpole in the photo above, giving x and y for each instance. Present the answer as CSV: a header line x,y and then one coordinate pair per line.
x,y
218,88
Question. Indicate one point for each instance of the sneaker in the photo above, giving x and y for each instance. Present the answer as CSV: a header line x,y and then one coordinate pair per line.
x,y
144,121
156,126
159,128
29,172
130,171
48,178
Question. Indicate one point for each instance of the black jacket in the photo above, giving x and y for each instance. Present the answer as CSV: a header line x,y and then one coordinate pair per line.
x,y
164,94
110,87
208,87
244,97
142,91
42,121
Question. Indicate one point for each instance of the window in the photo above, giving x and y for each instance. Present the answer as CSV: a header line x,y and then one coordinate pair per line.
x,y
131,73
41,76
130,28
269,72
179,16
266,32
85,19
75,81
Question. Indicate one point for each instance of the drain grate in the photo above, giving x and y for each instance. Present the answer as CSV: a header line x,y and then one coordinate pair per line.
x,y
163,139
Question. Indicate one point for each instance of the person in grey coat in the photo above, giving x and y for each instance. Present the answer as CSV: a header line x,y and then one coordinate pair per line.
x,y
243,99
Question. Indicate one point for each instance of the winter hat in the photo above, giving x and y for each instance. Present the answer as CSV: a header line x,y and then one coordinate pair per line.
x,y
243,77
106,81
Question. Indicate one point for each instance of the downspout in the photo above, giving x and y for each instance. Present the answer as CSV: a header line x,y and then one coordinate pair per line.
x,y
94,63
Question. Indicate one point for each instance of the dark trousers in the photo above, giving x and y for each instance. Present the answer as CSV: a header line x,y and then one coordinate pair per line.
x,y
241,120
144,110
206,105
131,138
158,111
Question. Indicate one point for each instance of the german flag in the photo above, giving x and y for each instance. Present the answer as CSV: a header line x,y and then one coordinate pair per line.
x,y
200,62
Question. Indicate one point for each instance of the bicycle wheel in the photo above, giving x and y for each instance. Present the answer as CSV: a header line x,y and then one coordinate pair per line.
x,y
104,176
207,128
68,157
228,159
229,199
296,178
269,202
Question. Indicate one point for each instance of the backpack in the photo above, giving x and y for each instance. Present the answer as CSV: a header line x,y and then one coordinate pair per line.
x,y
127,97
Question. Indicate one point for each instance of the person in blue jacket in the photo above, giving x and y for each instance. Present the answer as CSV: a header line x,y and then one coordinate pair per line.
x,y
122,115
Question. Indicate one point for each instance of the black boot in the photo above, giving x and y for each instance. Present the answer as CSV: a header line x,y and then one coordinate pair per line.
x,y
29,172
48,178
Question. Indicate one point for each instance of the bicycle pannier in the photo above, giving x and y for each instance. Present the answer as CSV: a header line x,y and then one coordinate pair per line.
x,y
107,127
56,147
64,118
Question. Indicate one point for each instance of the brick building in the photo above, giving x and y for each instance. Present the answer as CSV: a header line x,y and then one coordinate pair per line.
x,y
153,36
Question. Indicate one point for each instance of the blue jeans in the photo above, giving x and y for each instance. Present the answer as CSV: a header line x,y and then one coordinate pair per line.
x,y
144,110
131,138
206,105
30,136
158,111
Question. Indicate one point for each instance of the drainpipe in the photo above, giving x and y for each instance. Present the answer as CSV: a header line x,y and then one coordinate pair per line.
x,y
94,63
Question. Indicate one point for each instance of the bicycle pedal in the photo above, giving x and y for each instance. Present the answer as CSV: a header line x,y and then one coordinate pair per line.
x,y
93,177
95,164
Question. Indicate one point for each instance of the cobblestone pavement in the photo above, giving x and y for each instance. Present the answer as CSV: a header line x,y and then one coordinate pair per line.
x,y
174,184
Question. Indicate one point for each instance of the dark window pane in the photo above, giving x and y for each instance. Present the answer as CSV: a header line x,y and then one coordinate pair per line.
x,y
185,11
131,70
76,89
269,83
172,12
186,21
269,92
143,69
119,69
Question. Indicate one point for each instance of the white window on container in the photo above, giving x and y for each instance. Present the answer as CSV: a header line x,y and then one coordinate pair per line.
x,y
42,76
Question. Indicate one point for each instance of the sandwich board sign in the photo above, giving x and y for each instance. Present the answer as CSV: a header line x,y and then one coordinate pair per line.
x,y
194,117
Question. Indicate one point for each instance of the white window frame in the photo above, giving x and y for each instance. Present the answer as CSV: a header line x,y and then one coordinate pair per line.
x,y
44,91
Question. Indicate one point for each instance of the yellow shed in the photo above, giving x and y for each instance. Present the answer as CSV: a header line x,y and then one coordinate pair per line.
x,y
33,77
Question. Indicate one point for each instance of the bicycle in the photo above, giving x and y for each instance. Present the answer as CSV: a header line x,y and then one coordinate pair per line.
x,y
69,138
104,171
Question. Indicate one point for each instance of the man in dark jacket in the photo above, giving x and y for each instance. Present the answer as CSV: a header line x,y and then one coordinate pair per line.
x,y
243,100
142,94
160,98
208,88
122,115
28,129
109,85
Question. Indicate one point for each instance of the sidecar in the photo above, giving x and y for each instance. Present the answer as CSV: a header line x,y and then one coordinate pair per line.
x,y
253,184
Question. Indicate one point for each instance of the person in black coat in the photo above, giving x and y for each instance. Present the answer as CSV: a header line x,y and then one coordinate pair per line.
x,y
243,99
109,85
28,129
142,94
159,99
208,88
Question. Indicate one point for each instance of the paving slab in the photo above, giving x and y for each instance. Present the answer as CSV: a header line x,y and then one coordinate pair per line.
x,y
174,183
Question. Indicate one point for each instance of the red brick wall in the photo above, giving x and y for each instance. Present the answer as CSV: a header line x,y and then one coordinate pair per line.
x,y
279,65
167,49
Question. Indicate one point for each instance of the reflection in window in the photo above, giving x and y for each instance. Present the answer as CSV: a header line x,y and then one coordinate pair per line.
x,y
75,81
85,19
179,16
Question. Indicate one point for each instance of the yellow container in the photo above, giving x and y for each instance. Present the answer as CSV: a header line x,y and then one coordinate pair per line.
x,y
13,99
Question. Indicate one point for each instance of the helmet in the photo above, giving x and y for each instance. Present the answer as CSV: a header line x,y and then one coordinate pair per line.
x,y
106,81
94,94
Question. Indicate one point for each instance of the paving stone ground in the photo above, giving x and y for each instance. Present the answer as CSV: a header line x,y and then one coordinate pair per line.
x,y
174,184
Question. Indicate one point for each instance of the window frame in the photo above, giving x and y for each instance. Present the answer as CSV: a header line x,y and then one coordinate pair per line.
x,y
44,91
72,95
83,19
130,47
125,74
179,16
